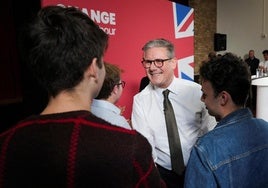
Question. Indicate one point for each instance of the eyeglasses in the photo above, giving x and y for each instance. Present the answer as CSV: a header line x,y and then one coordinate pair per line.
x,y
123,83
157,62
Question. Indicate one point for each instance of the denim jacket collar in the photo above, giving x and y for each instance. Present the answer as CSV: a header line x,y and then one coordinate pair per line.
x,y
235,116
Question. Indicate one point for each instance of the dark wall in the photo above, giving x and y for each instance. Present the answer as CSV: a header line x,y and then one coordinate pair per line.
x,y
183,2
20,95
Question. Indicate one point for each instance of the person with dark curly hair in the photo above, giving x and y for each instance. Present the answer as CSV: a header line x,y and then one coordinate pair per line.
x,y
235,152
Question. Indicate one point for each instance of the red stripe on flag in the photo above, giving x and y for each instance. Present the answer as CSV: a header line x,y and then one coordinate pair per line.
x,y
187,23
191,64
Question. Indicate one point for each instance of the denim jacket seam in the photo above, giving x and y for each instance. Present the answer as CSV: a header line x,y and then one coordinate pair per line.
x,y
200,148
234,158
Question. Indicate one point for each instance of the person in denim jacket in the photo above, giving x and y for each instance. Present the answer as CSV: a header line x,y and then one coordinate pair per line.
x,y
235,152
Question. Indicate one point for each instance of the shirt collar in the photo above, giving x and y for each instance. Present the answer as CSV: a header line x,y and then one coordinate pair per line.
x,y
172,88
107,105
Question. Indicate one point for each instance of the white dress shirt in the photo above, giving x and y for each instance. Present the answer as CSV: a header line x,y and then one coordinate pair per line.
x,y
191,115
264,64
109,112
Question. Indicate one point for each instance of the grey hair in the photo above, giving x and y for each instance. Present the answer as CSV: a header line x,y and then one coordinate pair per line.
x,y
160,43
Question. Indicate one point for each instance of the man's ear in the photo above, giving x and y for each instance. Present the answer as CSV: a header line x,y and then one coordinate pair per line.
x,y
115,89
224,97
92,70
174,62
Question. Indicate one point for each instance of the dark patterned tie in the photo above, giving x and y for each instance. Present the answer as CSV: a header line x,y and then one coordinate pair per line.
x,y
173,136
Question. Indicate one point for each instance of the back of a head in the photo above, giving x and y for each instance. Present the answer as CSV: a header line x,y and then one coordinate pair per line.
x,y
112,77
60,44
228,73
212,55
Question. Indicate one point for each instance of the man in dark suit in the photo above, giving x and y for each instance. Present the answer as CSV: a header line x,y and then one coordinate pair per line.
x,y
252,62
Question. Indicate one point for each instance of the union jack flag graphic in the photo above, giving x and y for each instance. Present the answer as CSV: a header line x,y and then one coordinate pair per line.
x,y
183,21
186,68
183,28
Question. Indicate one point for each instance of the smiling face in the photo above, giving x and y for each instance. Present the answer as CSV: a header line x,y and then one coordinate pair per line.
x,y
163,76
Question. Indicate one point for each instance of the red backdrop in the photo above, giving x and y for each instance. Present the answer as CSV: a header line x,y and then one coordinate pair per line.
x,y
130,25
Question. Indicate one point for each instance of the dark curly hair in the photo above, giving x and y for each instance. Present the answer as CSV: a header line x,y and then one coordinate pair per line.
x,y
228,73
